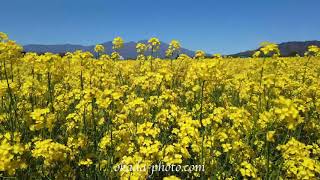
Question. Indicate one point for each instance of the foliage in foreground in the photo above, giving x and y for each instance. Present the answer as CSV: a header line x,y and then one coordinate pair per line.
x,y
79,117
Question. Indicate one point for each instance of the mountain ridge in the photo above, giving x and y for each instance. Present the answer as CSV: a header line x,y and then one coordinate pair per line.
x,y
291,48
128,51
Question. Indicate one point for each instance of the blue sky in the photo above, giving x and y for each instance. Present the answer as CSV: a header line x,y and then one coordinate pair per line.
x,y
227,26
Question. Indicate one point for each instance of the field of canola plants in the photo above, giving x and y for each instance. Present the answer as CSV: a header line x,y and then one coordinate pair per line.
x,y
79,117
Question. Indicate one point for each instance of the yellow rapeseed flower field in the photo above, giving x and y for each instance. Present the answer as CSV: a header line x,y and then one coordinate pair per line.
x,y
80,117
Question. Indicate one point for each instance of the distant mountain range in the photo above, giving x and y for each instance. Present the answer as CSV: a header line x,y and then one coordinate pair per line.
x,y
129,49
286,49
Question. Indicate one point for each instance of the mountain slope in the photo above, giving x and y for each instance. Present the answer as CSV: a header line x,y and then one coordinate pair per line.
x,y
286,49
128,51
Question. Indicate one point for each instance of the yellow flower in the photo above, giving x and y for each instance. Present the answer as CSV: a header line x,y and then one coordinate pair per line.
x,y
183,57
268,48
86,162
115,56
171,178
141,48
256,54
270,136
117,43
247,170
226,147
313,50
99,48
50,151
173,49
154,44
298,163
42,119
217,56
199,54
3,37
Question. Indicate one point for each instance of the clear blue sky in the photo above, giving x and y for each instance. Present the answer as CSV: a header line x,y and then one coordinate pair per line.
x,y
224,26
